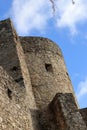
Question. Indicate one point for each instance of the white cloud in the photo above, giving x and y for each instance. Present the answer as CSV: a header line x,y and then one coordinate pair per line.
x,y
82,89
69,15
31,15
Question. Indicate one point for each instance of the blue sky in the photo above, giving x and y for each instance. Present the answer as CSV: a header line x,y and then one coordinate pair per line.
x,y
68,28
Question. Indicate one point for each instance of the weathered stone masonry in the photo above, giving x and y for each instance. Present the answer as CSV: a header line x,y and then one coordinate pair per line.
x,y
32,72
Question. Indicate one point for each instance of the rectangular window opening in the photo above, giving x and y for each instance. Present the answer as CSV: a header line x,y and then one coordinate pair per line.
x,y
48,67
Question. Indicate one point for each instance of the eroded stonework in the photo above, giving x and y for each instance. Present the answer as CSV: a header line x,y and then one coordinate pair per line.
x,y
32,72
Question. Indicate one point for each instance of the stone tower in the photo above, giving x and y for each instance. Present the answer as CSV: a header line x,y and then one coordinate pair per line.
x,y
47,69
32,72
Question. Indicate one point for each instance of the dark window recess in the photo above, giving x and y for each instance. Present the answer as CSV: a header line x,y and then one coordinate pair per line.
x,y
67,73
48,67
15,68
16,38
9,93
19,79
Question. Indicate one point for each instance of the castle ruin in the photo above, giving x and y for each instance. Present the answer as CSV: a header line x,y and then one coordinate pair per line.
x,y
35,89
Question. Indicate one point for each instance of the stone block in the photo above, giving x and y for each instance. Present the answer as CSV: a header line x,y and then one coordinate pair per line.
x,y
84,114
62,114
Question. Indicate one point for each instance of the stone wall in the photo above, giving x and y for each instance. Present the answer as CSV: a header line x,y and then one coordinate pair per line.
x,y
8,53
84,114
47,69
12,60
14,112
62,114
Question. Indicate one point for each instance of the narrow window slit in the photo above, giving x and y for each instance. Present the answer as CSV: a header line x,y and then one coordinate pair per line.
x,y
9,93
